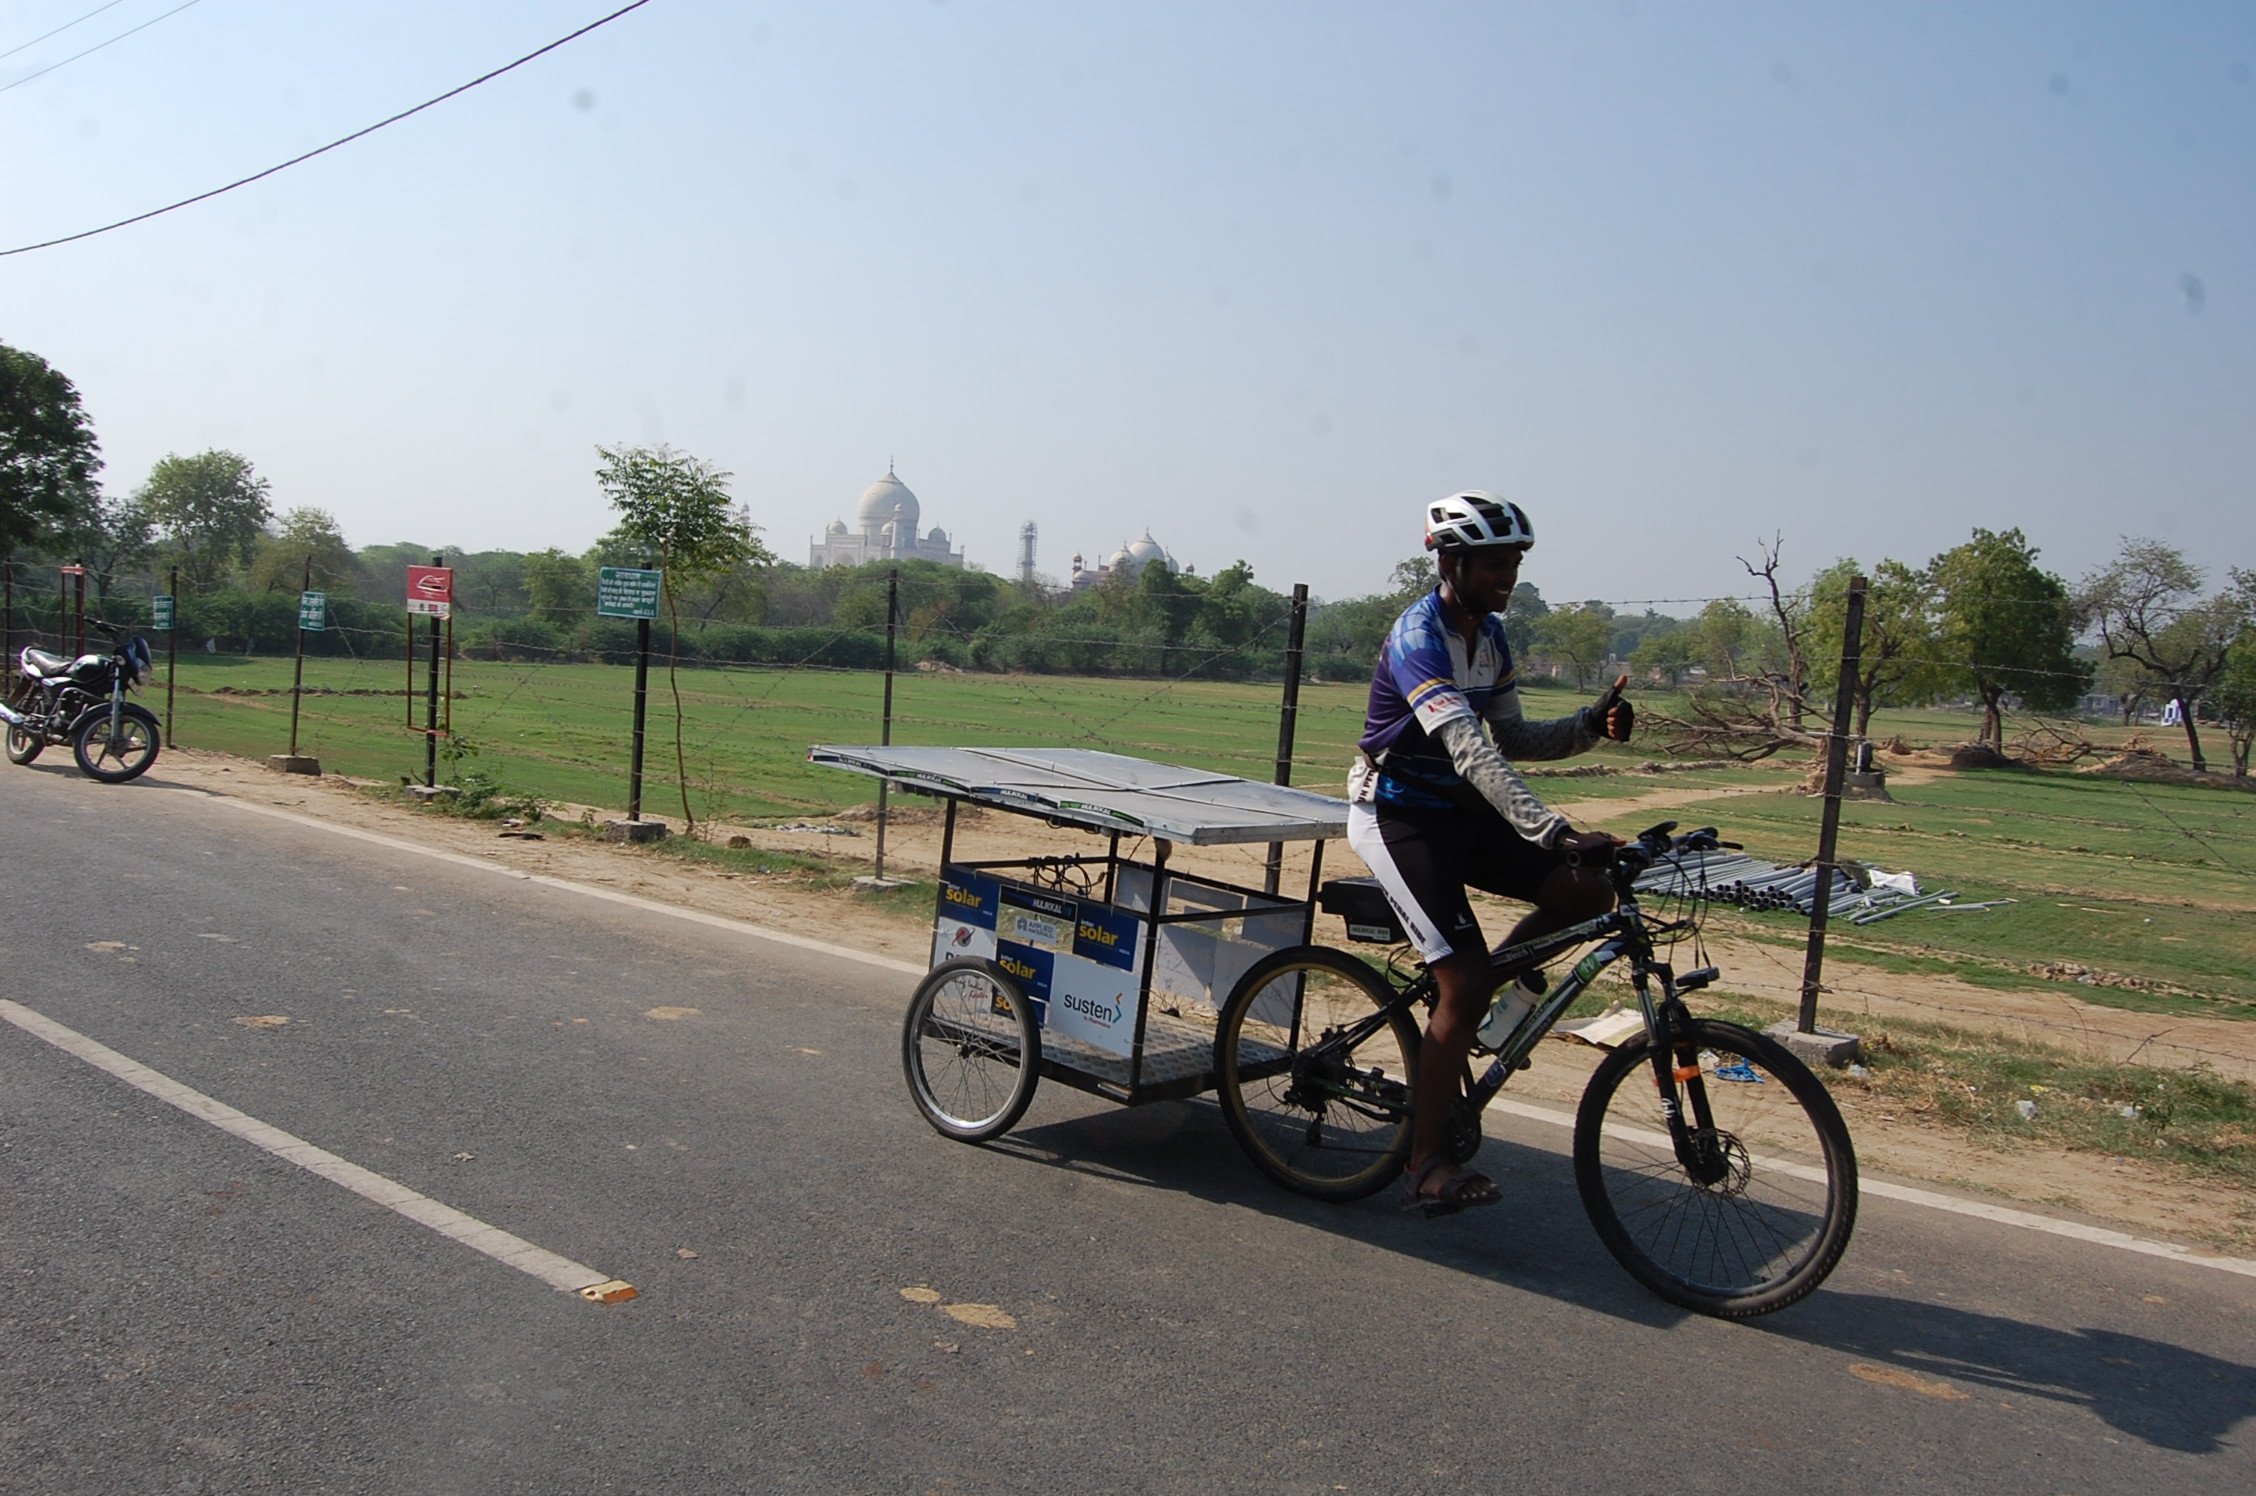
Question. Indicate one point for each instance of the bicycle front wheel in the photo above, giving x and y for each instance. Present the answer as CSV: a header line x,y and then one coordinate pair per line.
x,y
1756,1210
1317,1069
971,1050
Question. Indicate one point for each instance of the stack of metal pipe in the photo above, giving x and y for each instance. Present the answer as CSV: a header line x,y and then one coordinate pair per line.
x,y
1751,883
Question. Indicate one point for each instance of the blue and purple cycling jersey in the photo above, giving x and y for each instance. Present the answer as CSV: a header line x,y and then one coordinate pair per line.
x,y
1425,677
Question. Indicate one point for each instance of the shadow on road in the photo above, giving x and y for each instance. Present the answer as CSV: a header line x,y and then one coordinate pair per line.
x,y
1539,1241
2162,1394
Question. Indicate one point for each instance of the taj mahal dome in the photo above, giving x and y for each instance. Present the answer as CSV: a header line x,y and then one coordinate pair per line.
x,y
885,529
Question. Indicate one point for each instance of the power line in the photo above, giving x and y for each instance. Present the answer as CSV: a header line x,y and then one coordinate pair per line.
x,y
332,145
90,51
59,30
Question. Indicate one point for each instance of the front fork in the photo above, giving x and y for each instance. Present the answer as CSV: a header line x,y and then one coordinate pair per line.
x,y
1676,1063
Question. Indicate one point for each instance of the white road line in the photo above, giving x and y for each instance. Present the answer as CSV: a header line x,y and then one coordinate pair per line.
x,y
2003,1215
557,1272
632,901
2102,1236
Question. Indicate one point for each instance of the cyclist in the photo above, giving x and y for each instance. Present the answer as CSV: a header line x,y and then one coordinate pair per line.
x,y
1435,805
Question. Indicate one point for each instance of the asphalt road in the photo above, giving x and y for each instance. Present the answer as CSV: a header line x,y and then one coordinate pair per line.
x,y
185,1311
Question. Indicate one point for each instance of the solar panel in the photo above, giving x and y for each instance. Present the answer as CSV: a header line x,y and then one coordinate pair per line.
x,y
1104,791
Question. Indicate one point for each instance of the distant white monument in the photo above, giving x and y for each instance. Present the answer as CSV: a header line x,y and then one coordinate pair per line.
x,y
885,530
1129,562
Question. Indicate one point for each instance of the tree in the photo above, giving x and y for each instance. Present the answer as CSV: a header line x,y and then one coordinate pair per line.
x,y
1413,578
110,536
304,535
2128,682
491,583
48,454
1576,634
1666,652
1896,648
1789,614
2007,626
676,509
1522,616
2233,698
209,511
559,587
2149,610
1726,640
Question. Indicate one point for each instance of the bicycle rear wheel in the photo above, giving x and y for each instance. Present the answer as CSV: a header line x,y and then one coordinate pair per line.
x,y
1316,1070
1758,1212
970,1050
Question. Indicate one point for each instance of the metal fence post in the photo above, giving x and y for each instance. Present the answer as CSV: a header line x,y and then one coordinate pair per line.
x,y
1287,716
297,677
431,703
885,728
172,657
1836,757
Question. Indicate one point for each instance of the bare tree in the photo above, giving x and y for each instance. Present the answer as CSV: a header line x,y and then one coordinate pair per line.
x,y
1756,698
2149,610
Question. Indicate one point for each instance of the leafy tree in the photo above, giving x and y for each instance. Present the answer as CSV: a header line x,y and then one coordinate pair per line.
x,y
382,569
1577,634
1896,648
1665,652
304,535
209,511
1523,615
1414,578
491,584
2148,609
48,454
676,508
2007,627
1726,639
559,588
110,536
2233,698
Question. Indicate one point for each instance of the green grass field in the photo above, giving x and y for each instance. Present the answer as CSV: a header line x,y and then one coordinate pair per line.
x,y
2145,880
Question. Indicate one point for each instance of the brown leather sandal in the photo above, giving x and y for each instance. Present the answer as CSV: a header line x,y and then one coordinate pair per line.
x,y
1462,1192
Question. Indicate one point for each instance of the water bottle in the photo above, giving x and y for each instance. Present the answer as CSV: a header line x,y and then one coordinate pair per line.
x,y
1511,1009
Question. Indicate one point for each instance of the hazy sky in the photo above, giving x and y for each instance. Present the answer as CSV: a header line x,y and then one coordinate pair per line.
x,y
1259,277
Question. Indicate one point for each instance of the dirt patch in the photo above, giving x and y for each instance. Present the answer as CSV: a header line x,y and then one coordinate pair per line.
x,y
2120,1190
2149,767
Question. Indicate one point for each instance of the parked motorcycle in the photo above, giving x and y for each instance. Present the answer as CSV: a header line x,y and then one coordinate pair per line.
x,y
82,702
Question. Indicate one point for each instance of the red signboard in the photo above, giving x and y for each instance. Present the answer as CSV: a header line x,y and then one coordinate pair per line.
x,y
430,589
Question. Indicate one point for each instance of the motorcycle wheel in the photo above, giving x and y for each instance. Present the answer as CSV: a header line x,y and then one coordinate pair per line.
x,y
23,744
127,755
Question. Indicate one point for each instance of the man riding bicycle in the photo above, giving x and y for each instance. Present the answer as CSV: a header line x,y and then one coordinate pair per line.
x,y
1435,806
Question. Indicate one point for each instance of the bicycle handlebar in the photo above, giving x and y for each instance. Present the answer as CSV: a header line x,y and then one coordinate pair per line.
x,y
1654,843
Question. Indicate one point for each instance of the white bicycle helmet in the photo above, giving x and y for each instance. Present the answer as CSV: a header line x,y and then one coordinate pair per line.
x,y
1473,520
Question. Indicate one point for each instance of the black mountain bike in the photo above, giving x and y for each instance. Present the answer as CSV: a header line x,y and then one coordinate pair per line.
x,y
1714,1165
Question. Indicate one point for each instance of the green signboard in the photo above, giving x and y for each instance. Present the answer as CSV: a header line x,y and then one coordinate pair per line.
x,y
627,592
313,611
160,611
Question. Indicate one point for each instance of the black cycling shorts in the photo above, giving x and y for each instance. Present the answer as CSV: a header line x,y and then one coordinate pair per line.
x,y
1426,859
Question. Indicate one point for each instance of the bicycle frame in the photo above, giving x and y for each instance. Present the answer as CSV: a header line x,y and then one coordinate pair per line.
x,y
1622,932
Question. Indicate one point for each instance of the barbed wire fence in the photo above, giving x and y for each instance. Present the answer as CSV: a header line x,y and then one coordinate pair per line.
x,y
512,704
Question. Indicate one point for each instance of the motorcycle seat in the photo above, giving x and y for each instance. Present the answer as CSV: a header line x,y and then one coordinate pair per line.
x,y
40,662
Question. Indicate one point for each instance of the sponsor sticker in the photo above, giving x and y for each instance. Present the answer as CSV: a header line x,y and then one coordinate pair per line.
x,y
1114,940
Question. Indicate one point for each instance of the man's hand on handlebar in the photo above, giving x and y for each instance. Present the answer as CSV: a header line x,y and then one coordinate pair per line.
x,y
1610,716
1588,848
